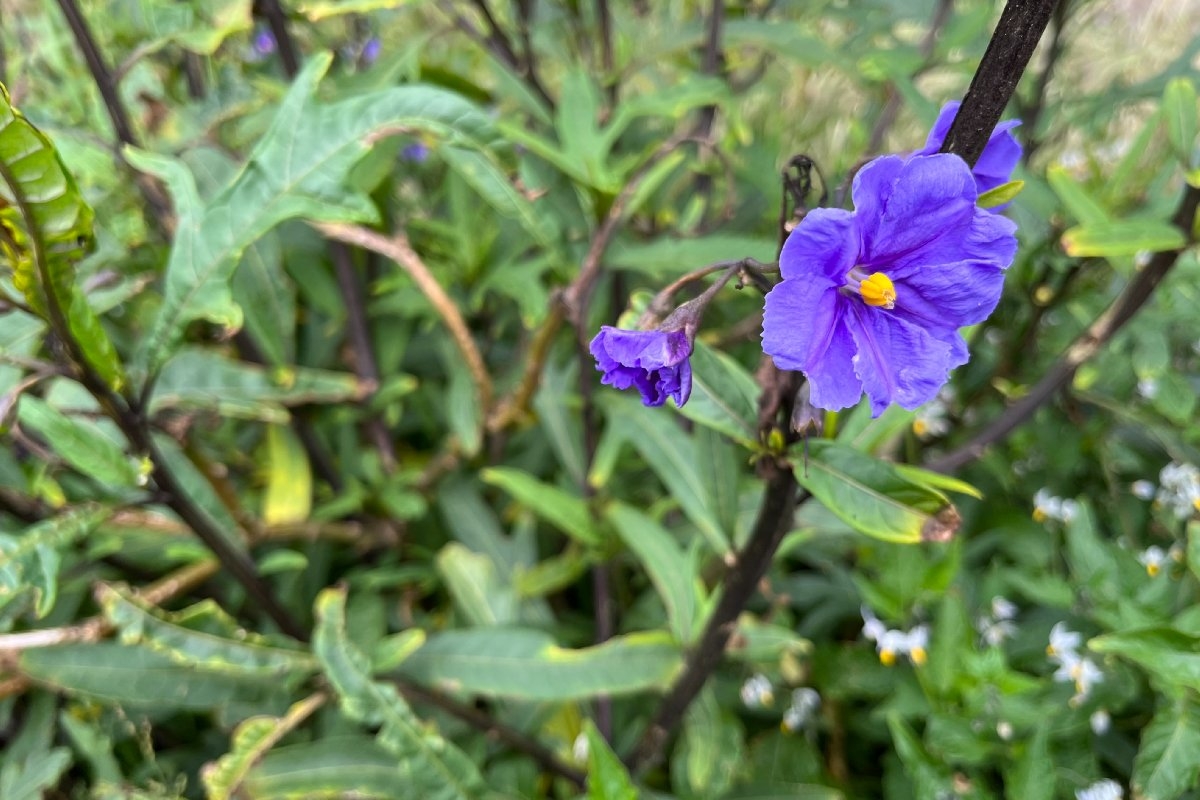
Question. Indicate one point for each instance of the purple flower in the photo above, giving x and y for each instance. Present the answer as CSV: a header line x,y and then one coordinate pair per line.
x,y
370,50
656,362
264,43
1000,155
415,152
872,299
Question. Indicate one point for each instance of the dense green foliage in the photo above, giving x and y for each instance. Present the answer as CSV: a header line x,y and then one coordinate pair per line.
x,y
308,487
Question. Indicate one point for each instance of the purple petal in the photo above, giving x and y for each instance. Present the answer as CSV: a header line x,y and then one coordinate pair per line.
x,y
873,185
799,321
653,362
941,127
1000,155
984,237
930,196
824,244
949,295
897,362
833,384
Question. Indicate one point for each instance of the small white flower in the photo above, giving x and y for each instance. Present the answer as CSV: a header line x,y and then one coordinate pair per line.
x,y
757,691
1102,790
1082,672
932,419
873,628
891,643
1003,608
1153,558
805,702
1004,730
1179,489
1147,388
1064,642
579,750
1100,722
1142,490
995,632
1047,506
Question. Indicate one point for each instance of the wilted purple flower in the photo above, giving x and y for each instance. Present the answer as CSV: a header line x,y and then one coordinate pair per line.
x,y
416,152
1000,155
264,43
656,362
371,49
872,299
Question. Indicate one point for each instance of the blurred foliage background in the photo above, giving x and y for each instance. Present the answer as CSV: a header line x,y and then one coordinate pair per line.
x,y
308,488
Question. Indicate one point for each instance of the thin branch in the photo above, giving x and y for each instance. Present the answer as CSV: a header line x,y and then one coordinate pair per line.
x,y
607,62
891,108
365,365
1012,44
773,522
398,250
489,725
496,43
150,188
276,19
1127,304
1032,114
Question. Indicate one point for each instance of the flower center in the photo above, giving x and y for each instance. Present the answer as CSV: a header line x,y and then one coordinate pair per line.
x,y
877,289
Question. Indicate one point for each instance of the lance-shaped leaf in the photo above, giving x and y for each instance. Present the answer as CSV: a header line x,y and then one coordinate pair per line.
x,y
434,767
182,639
335,766
45,227
872,497
297,170
527,664
29,561
1166,765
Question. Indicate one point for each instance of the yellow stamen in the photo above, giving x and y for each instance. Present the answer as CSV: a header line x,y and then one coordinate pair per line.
x,y
918,656
919,427
877,289
1039,515
887,657
1152,569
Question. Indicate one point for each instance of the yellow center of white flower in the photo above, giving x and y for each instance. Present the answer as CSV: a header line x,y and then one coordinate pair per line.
x,y
877,289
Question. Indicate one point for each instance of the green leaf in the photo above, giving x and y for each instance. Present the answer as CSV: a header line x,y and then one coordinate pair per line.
x,y
434,767
1081,205
30,779
1179,113
1032,776
713,745
197,26
1123,238
137,677
480,170
79,443
252,739
331,768
48,228
665,258
482,595
288,496
724,396
566,512
669,568
873,498
671,453
607,777
318,10
267,297
1169,654
1004,193
526,664
936,480
205,379
297,170
1166,765
29,561
178,637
